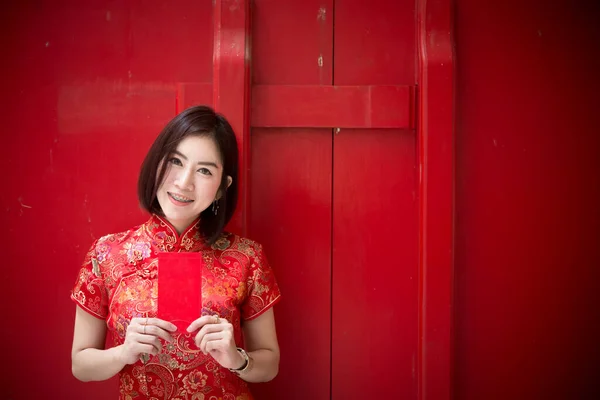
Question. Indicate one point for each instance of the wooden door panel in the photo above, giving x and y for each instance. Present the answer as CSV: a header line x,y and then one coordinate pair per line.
x,y
374,42
290,184
292,42
290,214
375,225
374,314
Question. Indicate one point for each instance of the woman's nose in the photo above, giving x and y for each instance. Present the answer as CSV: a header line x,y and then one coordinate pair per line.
x,y
184,180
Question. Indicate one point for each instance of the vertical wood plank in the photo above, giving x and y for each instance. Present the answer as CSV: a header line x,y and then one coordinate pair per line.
x,y
290,198
290,215
231,86
435,123
375,214
374,265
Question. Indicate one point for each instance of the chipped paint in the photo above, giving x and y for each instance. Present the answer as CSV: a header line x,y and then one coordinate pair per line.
x,y
234,6
20,200
88,215
322,13
320,60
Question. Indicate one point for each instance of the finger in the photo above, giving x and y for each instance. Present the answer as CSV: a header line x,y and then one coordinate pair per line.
x,y
213,345
143,348
138,349
139,321
200,322
157,332
134,327
210,328
209,338
166,325
207,329
150,340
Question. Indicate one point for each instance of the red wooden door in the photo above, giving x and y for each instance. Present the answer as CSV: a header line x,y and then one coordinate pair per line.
x,y
333,193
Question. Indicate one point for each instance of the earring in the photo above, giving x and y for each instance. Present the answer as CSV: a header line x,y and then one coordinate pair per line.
x,y
215,207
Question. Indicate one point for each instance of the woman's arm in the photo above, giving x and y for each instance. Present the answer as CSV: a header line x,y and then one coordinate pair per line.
x,y
215,336
260,339
91,362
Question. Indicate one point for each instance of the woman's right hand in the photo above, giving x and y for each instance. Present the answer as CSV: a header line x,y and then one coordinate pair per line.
x,y
143,336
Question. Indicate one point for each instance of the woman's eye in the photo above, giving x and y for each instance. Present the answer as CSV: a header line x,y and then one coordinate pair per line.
x,y
204,171
175,161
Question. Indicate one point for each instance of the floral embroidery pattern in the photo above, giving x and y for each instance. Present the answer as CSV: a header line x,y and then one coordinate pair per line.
x,y
102,251
118,281
221,244
194,381
158,389
137,251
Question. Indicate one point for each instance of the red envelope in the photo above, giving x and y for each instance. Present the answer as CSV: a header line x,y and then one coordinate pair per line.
x,y
179,288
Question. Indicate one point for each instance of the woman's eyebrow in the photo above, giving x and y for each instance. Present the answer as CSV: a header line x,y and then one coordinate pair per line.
x,y
205,163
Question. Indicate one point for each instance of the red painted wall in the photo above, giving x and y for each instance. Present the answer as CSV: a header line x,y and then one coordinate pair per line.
x,y
83,83
527,191
527,198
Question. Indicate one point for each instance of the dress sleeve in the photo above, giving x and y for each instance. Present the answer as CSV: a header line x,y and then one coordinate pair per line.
x,y
263,291
90,291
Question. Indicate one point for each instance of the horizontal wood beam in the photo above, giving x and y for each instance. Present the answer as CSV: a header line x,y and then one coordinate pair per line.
x,y
316,106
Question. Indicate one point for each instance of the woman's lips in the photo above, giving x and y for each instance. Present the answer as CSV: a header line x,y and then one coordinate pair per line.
x,y
179,200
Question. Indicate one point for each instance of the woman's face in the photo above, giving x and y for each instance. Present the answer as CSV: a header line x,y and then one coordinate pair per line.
x,y
191,181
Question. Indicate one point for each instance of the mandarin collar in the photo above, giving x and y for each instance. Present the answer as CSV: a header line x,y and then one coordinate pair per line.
x,y
162,231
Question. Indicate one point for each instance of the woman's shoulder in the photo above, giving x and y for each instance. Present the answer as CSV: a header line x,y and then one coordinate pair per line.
x,y
229,241
119,238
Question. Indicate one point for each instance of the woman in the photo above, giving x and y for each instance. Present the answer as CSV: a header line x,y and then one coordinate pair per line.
x,y
188,183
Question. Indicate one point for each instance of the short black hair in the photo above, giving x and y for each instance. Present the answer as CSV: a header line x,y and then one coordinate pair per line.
x,y
195,121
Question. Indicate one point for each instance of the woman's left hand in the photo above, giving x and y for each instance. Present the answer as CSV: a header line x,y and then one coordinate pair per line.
x,y
215,336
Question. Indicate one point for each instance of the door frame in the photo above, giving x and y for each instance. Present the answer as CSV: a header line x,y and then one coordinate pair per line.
x,y
435,136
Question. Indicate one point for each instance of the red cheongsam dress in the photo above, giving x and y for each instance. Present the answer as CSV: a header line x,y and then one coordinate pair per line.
x,y
118,281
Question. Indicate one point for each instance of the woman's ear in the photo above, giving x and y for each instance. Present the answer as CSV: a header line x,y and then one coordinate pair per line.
x,y
220,192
